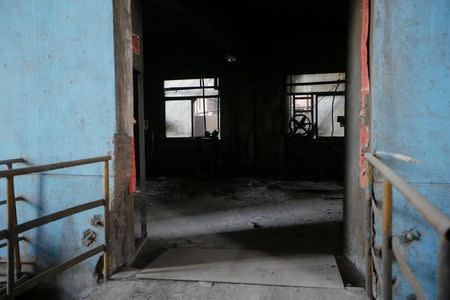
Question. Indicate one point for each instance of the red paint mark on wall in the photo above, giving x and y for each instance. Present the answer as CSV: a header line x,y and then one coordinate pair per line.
x,y
364,143
136,41
132,185
364,53
364,134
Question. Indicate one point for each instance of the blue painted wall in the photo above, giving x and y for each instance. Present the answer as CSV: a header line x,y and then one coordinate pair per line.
x,y
57,103
410,78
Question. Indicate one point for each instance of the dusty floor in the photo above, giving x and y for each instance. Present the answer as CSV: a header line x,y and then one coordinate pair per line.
x,y
245,213
277,216
268,215
126,286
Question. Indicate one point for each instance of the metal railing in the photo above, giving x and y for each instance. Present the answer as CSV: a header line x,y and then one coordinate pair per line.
x,y
391,245
14,229
9,163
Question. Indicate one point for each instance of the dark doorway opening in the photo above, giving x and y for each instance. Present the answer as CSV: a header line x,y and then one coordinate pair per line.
x,y
251,47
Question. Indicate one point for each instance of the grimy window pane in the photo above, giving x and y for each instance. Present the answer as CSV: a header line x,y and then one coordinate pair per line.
x,y
183,120
178,118
313,86
191,93
324,115
211,116
188,82
317,78
190,87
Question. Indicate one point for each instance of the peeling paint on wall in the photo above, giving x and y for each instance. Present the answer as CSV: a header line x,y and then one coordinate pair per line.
x,y
365,87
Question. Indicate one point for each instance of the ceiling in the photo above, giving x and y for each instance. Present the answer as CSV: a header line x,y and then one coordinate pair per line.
x,y
282,33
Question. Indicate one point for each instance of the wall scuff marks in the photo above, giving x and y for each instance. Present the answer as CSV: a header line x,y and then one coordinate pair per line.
x,y
122,232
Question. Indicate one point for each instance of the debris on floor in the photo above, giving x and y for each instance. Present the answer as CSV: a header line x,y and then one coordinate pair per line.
x,y
254,225
206,284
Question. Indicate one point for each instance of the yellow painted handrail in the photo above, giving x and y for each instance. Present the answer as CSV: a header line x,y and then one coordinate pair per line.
x,y
11,234
434,216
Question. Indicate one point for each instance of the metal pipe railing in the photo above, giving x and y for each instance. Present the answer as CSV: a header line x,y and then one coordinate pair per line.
x,y
399,255
49,167
2,245
432,215
444,267
106,215
9,162
13,241
11,234
12,237
3,234
387,236
21,288
58,215
20,198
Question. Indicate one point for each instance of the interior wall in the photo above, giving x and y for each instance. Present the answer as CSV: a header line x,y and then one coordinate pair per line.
x,y
355,204
411,114
254,139
57,98
267,47
139,116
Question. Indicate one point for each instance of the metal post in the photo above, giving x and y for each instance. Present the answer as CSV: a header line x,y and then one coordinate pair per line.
x,y
11,237
14,217
387,240
142,164
106,272
369,238
444,267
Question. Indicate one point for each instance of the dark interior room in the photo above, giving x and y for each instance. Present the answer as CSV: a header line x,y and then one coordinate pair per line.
x,y
245,104
252,49
194,149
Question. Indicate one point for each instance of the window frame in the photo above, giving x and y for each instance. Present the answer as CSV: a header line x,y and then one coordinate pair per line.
x,y
315,98
192,99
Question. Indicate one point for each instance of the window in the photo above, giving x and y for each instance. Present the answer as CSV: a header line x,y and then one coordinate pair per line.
x,y
192,108
316,104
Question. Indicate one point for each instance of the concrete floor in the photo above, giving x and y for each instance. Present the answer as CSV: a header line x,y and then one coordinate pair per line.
x,y
126,286
244,213
276,216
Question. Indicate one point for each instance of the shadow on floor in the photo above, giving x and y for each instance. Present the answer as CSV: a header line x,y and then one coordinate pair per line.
x,y
272,216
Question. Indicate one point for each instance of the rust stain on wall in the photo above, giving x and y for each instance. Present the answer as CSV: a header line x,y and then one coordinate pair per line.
x,y
364,134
